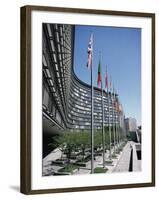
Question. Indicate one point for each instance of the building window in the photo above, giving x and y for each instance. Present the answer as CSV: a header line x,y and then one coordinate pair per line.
x,y
58,117
49,30
46,98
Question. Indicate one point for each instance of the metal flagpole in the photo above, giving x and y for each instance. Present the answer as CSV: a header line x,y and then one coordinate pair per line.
x,y
117,131
113,118
119,128
118,125
116,122
117,134
109,124
103,132
92,110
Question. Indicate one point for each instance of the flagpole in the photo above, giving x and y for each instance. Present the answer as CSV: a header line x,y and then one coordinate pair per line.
x,y
116,124
113,120
103,132
118,114
118,130
119,127
92,110
110,137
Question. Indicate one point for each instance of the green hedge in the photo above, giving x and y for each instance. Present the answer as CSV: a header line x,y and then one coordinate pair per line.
x,y
100,170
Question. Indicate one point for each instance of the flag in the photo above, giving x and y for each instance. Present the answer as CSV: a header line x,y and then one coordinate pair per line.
x,y
99,75
90,51
106,80
120,108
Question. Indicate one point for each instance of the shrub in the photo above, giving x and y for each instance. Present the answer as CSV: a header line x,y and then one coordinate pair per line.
x,y
68,168
100,170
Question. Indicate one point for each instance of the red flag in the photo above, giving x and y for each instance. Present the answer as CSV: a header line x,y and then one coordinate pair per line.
x,y
106,80
90,51
99,75
118,106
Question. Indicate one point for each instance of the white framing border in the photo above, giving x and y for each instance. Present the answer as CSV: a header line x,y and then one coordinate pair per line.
x,y
39,182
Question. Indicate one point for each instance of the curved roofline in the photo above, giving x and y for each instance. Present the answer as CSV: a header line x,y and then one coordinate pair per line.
x,y
86,84
82,82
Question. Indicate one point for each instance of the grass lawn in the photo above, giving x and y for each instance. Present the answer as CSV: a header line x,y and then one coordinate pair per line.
x,y
100,170
68,168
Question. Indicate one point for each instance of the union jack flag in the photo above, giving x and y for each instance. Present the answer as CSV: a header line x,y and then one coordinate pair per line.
x,y
90,51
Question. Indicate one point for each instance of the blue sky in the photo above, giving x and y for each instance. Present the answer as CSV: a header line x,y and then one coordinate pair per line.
x,y
121,52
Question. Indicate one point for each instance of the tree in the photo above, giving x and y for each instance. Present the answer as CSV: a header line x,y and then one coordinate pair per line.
x,y
84,141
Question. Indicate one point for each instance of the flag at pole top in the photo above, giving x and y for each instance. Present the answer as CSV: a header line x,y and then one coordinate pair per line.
x,y
99,81
118,106
90,51
106,79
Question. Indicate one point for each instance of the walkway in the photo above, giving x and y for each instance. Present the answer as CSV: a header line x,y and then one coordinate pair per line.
x,y
124,160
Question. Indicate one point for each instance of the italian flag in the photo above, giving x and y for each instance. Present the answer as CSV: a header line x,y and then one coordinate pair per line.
x,y
99,75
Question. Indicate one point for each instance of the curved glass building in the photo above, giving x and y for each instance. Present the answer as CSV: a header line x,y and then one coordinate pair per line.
x,y
66,99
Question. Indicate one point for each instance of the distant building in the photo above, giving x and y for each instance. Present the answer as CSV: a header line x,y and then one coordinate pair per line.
x,y
121,117
130,124
139,132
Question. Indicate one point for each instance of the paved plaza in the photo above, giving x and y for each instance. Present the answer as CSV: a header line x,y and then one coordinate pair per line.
x,y
121,162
